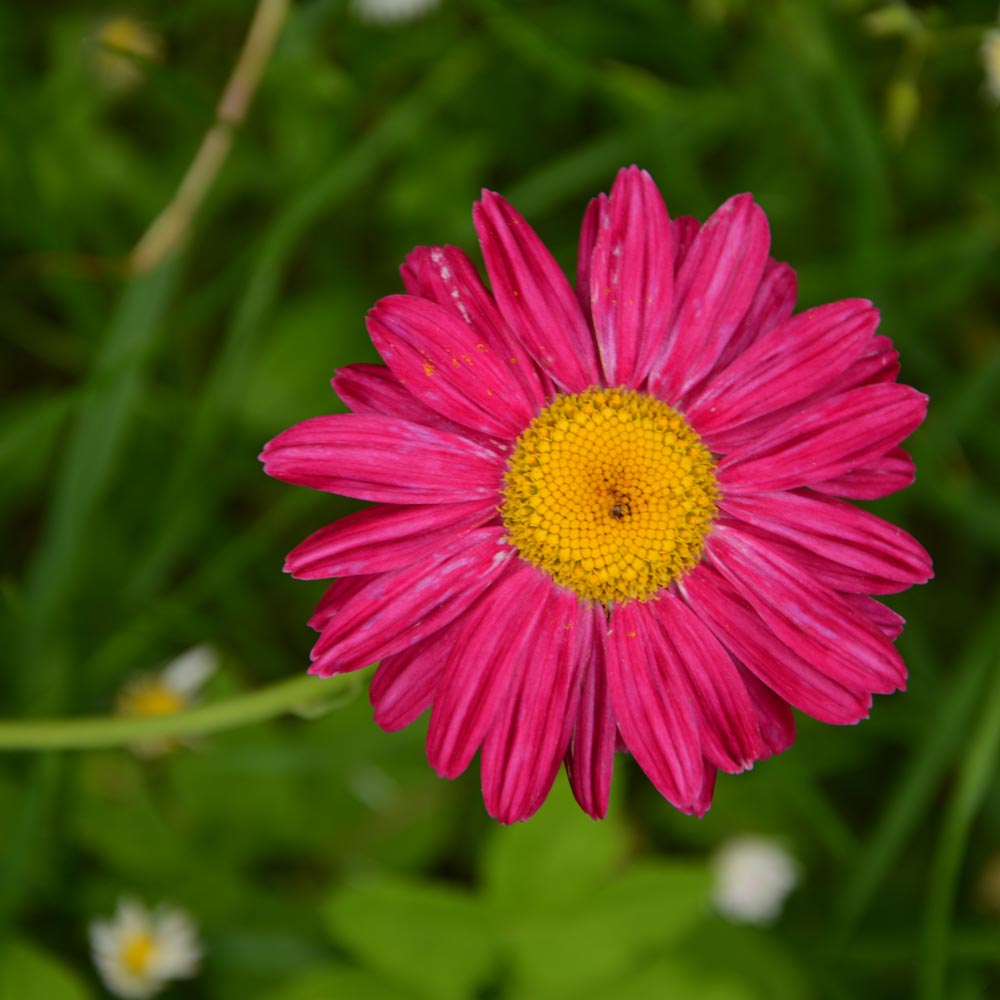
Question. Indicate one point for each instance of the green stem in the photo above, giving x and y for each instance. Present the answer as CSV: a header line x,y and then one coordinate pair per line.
x,y
973,783
300,693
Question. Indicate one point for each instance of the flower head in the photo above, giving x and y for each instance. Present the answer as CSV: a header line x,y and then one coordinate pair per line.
x,y
173,689
753,876
611,518
989,50
138,951
123,47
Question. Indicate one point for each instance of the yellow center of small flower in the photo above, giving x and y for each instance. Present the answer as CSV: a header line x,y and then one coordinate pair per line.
x,y
148,696
137,952
612,493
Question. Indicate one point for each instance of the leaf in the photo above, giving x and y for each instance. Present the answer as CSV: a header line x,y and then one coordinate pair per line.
x,y
554,859
431,938
336,982
646,910
28,971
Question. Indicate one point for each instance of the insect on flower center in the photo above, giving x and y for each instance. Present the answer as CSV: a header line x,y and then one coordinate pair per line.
x,y
611,492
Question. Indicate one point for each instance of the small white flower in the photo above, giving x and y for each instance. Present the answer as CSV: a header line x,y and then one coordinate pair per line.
x,y
753,876
138,951
173,689
392,11
990,52
122,48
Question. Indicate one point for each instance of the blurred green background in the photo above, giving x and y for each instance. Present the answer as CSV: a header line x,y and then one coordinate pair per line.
x,y
321,858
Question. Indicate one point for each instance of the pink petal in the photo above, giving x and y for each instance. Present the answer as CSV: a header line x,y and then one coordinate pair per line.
x,y
826,441
878,617
648,693
772,303
878,478
805,615
866,554
774,715
399,609
631,278
445,275
590,756
525,746
714,288
534,295
448,365
743,632
785,366
683,230
338,593
383,459
405,683
585,251
491,644
384,538
879,362
730,736
373,391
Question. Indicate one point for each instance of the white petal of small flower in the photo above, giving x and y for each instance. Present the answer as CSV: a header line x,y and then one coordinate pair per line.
x,y
138,950
989,50
392,11
753,876
188,673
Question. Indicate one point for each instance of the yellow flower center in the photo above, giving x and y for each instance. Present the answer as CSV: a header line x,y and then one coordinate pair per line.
x,y
137,952
612,493
148,696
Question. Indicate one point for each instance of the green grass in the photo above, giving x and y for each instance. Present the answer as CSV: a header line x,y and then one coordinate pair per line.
x,y
137,522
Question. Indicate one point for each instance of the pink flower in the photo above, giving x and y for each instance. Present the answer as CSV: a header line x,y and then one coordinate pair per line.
x,y
611,519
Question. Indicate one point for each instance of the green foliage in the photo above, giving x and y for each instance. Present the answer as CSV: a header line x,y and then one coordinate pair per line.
x,y
321,857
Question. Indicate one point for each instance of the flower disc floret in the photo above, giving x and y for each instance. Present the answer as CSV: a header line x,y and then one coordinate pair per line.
x,y
610,492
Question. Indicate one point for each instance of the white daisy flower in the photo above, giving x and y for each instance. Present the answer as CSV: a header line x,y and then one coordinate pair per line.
x,y
122,48
139,950
173,689
392,11
989,50
753,876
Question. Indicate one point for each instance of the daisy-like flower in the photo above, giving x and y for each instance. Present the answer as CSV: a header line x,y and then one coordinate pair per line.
x,y
989,50
611,519
753,877
173,689
138,951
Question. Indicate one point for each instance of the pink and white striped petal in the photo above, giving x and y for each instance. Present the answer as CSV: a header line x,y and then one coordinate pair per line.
x,y
869,555
806,616
585,251
384,538
650,700
787,365
752,642
383,459
490,645
878,478
524,748
631,278
828,440
714,288
373,391
448,366
534,295
445,275
773,303
730,735
405,683
399,609
590,756
774,715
